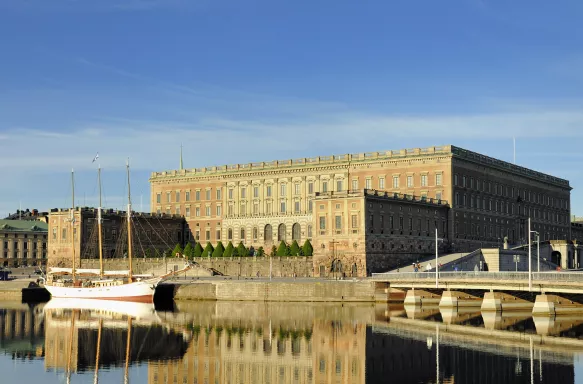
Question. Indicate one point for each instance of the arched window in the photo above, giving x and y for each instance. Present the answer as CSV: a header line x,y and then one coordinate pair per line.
x,y
243,234
309,231
230,234
255,233
281,232
268,233
296,232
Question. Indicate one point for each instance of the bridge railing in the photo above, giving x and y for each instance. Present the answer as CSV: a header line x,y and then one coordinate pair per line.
x,y
481,275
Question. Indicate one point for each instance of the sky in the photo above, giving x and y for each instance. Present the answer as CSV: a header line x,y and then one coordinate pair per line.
x,y
238,81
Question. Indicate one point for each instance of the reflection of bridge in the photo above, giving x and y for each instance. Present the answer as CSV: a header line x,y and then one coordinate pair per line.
x,y
21,329
547,293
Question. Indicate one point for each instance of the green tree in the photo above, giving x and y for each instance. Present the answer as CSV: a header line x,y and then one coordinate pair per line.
x,y
148,253
273,251
294,249
208,250
235,252
260,252
188,251
219,250
229,250
283,249
197,250
242,250
168,253
307,248
177,250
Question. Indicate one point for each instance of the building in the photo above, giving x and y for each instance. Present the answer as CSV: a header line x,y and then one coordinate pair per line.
x,y
27,214
24,242
152,234
263,203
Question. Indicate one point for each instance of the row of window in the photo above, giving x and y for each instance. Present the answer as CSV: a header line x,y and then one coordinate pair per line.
x,y
243,210
354,221
267,233
25,246
33,255
197,196
510,191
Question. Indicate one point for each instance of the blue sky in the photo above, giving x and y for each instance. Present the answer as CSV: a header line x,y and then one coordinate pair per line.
x,y
258,80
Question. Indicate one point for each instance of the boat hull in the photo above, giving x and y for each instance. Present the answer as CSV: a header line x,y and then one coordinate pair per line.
x,y
139,291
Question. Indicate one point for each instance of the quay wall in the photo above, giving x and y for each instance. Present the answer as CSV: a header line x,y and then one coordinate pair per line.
x,y
293,291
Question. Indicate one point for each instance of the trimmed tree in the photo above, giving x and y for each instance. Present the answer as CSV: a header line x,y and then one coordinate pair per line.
x,y
177,250
168,253
260,252
283,249
197,250
188,251
307,248
294,249
273,251
235,252
208,250
229,250
219,250
242,250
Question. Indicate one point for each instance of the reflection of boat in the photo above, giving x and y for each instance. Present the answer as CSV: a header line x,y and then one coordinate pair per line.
x,y
100,284
139,311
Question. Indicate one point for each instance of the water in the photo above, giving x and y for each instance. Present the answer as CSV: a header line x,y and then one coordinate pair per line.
x,y
223,342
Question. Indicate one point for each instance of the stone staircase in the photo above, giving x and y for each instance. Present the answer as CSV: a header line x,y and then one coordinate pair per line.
x,y
197,270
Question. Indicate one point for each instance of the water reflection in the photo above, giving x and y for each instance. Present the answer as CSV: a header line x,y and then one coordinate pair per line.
x,y
222,342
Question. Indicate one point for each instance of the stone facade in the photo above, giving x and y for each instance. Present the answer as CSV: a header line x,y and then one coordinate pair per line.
x,y
23,242
151,234
489,199
359,233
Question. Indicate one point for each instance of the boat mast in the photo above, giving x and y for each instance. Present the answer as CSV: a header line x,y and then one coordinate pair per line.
x,y
128,345
129,223
72,220
99,220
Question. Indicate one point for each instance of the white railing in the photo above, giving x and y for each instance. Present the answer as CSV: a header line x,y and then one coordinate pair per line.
x,y
481,275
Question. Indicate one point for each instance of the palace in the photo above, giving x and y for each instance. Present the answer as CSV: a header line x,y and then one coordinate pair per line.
x,y
474,200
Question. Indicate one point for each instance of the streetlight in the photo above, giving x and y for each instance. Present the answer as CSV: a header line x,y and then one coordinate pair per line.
x,y
537,250
529,258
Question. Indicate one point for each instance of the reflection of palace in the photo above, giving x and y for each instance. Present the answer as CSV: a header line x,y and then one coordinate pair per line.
x,y
329,352
21,330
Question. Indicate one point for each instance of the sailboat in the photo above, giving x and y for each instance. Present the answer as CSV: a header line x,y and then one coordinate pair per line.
x,y
100,284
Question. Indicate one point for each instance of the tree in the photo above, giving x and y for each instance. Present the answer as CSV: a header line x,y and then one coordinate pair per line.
x,y
235,252
307,248
177,250
219,250
294,249
188,251
273,251
260,252
168,253
242,250
283,249
208,250
198,250
229,250
148,253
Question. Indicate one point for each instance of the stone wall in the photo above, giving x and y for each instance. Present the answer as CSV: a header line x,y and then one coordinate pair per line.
x,y
293,291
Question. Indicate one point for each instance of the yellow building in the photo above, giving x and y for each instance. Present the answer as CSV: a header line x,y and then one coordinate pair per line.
x,y
24,242
263,203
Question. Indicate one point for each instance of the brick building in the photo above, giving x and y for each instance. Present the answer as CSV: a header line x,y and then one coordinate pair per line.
x,y
151,234
263,203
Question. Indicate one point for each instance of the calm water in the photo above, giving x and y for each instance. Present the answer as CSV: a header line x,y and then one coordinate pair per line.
x,y
204,342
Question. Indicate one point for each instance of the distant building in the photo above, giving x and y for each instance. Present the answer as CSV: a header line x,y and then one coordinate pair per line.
x,y
23,242
27,214
151,234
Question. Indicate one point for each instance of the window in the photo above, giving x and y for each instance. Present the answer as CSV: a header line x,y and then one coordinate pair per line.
x,y
244,192
208,210
255,208
177,196
242,236
197,195
297,188
283,190
268,208
324,186
255,233
167,210
230,234
309,231
424,180
339,185
438,195
310,187
197,212
63,234
158,198
354,221
255,191
297,207
409,181
187,212
382,183
218,234
354,185
391,222
208,194
438,179
455,179
243,210
269,191
282,207
54,235
168,197
464,181
187,195
208,235
338,222
368,183
322,222
230,193
218,194
471,182
197,235
395,181
310,206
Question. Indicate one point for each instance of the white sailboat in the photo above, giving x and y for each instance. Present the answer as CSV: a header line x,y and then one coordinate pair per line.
x,y
100,284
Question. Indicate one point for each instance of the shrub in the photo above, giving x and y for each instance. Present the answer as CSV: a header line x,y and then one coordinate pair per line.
x,y
219,250
188,251
229,250
294,249
242,250
197,250
208,250
283,249
307,248
260,252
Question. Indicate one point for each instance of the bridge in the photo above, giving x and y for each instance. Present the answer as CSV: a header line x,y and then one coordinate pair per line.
x,y
545,293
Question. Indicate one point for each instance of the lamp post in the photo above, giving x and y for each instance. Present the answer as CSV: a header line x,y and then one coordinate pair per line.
x,y
529,260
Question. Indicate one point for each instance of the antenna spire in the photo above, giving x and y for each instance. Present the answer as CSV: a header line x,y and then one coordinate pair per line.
x,y
181,165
